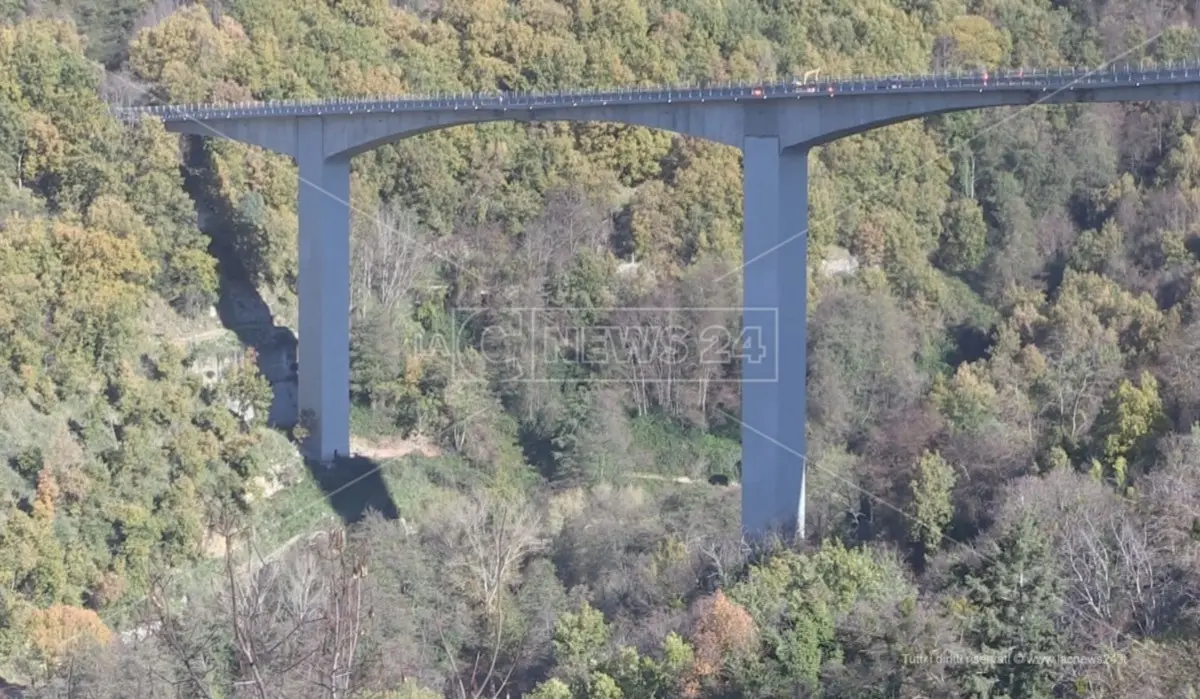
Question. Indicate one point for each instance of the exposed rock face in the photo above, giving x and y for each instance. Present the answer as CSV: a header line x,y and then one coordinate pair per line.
x,y
838,261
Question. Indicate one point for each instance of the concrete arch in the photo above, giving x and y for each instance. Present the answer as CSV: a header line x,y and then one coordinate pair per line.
x,y
720,122
820,123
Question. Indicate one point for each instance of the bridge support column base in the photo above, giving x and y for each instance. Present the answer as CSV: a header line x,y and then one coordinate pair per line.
x,y
775,300
324,280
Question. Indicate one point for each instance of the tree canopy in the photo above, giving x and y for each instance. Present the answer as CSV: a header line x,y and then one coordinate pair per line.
x,y
1002,462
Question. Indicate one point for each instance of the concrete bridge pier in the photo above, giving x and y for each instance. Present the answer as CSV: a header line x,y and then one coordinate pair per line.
x,y
775,299
766,121
324,280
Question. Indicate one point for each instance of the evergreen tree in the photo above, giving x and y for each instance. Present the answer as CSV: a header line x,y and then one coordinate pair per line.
x,y
376,357
932,508
1016,595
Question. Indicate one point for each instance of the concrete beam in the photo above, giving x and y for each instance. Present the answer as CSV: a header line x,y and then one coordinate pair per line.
x,y
803,121
277,134
352,134
775,183
324,279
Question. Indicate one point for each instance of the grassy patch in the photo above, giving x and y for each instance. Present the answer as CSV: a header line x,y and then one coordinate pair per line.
x,y
371,424
671,449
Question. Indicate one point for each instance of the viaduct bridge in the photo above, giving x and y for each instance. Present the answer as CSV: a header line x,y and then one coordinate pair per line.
x,y
774,125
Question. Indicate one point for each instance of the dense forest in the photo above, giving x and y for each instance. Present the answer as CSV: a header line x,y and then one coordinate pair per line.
x,y
1002,494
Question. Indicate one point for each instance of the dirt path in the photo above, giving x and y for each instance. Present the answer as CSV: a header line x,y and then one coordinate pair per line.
x,y
393,447
682,480
200,336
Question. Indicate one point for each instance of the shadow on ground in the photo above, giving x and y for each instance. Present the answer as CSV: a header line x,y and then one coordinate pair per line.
x,y
354,486
242,310
241,307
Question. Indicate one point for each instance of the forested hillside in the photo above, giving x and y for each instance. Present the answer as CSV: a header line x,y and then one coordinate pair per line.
x,y
1001,406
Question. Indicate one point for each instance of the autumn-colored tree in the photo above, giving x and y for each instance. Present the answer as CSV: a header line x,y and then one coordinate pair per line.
x,y
724,629
59,630
971,41
46,494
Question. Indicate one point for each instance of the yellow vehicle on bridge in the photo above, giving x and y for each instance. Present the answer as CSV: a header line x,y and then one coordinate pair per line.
x,y
808,82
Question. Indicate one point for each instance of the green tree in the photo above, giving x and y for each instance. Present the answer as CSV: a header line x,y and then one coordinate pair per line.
x,y
1133,416
931,507
1015,595
247,390
580,639
795,601
964,241
552,688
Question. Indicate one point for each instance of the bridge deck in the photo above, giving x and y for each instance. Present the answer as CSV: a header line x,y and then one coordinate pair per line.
x,y
1042,80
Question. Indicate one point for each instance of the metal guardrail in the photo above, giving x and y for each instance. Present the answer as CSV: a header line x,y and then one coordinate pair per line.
x,y
1041,80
